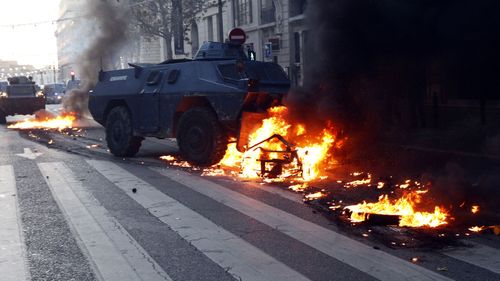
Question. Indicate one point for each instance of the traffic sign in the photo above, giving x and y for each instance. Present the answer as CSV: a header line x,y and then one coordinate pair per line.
x,y
237,36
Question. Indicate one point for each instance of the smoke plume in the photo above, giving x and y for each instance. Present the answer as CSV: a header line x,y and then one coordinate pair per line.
x,y
107,35
369,62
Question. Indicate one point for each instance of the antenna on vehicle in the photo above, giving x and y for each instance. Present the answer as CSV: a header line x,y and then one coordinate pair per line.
x,y
100,76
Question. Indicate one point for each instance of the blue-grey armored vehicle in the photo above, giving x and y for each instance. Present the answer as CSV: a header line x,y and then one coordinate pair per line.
x,y
201,102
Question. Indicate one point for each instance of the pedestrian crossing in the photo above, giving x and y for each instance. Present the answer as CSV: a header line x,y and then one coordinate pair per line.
x,y
116,253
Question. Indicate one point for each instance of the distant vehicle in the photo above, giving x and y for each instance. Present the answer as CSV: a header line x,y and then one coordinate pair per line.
x,y
20,96
201,102
73,84
53,92
3,85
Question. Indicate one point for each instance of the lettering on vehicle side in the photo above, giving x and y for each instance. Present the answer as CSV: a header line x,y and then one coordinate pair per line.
x,y
118,78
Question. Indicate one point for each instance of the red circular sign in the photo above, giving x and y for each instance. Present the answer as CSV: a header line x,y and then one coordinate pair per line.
x,y
237,36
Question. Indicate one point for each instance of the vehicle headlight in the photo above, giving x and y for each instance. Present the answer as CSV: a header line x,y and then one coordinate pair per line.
x,y
3,94
39,94
59,97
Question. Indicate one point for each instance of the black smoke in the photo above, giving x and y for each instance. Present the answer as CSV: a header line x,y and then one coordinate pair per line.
x,y
369,61
107,25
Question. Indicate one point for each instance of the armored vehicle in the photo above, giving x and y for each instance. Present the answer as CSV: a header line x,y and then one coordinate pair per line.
x,y
200,102
21,96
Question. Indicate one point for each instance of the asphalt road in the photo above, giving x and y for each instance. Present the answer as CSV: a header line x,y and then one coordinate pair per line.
x,y
71,211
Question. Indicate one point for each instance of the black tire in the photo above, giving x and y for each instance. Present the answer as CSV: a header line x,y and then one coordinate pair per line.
x,y
200,137
3,120
119,133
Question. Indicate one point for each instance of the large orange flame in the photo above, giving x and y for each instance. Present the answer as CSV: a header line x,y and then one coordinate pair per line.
x,y
312,149
61,122
403,207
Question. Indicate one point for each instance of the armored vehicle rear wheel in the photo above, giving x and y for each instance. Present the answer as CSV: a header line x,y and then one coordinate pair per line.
x,y
3,120
119,133
200,137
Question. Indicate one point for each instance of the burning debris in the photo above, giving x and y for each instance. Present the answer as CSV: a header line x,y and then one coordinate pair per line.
x,y
282,150
46,120
403,208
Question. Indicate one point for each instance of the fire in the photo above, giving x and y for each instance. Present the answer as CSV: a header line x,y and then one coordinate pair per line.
x,y
475,209
477,228
313,196
403,207
54,122
312,150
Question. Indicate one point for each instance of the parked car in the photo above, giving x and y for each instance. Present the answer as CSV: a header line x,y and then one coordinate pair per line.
x,y
53,92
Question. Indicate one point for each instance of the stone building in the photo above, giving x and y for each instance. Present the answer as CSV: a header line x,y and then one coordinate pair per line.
x,y
275,30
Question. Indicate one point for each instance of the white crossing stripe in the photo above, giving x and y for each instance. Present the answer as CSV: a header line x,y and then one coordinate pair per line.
x,y
478,255
238,257
113,252
12,255
376,263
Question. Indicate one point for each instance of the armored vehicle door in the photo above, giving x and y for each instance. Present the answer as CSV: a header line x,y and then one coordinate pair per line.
x,y
150,103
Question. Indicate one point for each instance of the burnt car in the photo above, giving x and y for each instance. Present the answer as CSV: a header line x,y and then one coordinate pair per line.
x,y
20,96
201,102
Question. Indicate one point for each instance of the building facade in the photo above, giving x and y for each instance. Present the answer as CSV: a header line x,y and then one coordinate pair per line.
x,y
276,31
68,33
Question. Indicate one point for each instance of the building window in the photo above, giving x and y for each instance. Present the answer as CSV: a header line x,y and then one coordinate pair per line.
x,y
195,43
297,7
210,28
268,11
243,12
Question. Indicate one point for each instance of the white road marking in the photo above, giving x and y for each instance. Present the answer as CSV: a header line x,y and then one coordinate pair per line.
x,y
29,154
295,197
237,256
112,250
12,255
376,263
478,255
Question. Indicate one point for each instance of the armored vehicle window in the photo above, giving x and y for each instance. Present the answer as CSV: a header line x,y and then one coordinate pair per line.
x,y
154,77
229,71
265,72
173,75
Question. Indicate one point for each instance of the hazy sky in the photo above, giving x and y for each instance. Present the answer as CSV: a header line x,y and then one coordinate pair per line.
x,y
27,30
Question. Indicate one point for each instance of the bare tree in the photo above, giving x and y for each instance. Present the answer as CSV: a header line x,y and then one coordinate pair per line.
x,y
163,18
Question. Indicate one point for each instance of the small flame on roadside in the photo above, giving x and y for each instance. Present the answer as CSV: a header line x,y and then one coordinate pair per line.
x,y
61,122
298,187
477,228
403,207
174,162
475,209
313,196
356,183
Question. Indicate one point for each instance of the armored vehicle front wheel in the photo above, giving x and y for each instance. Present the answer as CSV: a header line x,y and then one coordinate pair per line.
x,y
119,133
200,137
